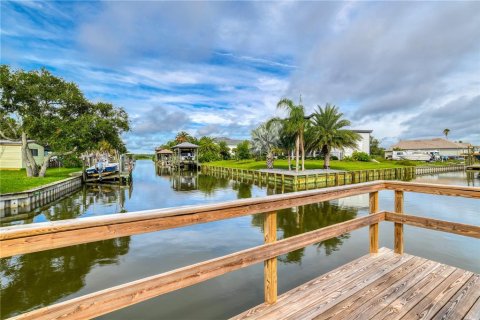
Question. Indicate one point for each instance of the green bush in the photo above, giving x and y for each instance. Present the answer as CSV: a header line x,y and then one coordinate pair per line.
x,y
243,150
361,156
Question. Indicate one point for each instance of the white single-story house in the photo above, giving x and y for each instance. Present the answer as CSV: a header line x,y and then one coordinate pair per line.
x,y
362,146
445,148
11,154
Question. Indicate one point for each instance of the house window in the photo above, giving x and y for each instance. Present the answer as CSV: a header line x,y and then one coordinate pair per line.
x,y
34,152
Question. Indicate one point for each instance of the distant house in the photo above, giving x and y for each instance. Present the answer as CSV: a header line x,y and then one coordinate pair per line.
x,y
444,147
362,146
11,154
231,143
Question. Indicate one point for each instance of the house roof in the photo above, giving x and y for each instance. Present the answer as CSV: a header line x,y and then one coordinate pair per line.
x,y
437,143
14,142
362,131
228,141
186,145
165,151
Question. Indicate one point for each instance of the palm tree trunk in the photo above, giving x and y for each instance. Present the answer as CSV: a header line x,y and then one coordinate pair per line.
x,y
270,160
297,143
289,157
326,163
302,145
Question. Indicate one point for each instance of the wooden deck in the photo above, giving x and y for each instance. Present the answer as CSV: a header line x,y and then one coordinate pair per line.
x,y
381,286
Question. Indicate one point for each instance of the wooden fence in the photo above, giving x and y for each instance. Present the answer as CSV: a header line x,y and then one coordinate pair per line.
x,y
25,239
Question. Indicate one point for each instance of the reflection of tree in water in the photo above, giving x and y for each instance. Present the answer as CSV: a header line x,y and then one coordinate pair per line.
x,y
307,218
208,184
244,190
39,279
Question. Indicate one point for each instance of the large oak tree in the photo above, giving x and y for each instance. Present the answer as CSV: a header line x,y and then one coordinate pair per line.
x,y
36,105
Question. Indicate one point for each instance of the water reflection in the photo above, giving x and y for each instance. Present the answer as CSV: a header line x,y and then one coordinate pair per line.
x,y
87,198
35,280
307,218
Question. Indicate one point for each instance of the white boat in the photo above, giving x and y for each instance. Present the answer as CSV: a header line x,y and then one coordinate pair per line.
x,y
414,156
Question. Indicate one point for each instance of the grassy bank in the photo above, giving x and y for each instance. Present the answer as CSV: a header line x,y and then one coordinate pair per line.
x,y
17,180
318,164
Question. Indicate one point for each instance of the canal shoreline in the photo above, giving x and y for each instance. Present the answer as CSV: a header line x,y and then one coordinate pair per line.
x,y
309,179
28,200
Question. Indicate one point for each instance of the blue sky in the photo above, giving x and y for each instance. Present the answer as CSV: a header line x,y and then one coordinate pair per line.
x,y
405,70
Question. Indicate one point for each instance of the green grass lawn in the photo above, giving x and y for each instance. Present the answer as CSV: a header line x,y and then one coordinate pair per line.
x,y
17,180
318,164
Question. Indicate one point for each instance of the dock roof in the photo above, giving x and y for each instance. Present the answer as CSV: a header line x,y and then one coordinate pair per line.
x,y
185,145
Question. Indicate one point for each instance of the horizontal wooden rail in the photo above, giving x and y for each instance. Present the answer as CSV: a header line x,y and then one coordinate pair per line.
x,y
50,235
434,224
435,189
101,302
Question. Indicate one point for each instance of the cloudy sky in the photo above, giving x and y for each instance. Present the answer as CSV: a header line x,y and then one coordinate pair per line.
x,y
405,70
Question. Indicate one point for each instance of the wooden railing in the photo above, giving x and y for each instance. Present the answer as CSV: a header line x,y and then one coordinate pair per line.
x,y
44,236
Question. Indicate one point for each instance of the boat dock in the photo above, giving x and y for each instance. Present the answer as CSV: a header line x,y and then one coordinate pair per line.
x,y
382,284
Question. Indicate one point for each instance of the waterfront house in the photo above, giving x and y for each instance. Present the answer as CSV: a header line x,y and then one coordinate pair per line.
x,y
11,154
444,147
362,146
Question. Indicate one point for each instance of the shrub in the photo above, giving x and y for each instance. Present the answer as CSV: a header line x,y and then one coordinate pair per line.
x,y
333,158
243,150
361,156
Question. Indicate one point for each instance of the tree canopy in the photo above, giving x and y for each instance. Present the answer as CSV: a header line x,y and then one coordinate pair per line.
x,y
39,106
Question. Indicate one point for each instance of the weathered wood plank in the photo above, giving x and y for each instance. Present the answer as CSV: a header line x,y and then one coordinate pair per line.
x,y
114,298
434,224
323,281
297,302
474,312
414,294
459,305
50,235
436,299
270,265
384,297
317,304
340,310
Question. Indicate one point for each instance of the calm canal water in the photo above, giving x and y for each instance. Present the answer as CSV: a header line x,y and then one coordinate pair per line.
x,y
40,279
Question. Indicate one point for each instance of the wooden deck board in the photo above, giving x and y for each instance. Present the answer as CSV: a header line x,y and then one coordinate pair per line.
x,y
380,286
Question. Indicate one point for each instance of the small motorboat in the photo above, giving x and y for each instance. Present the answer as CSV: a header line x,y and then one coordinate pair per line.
x,y
101,169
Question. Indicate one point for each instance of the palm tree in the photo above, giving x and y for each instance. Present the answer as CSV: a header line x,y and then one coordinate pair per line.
x,y
446,132
182,136
286,143
327,132
295,124
265,139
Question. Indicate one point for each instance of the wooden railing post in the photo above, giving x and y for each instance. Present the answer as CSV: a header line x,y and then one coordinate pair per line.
x,y
398,233
373,202
270,265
